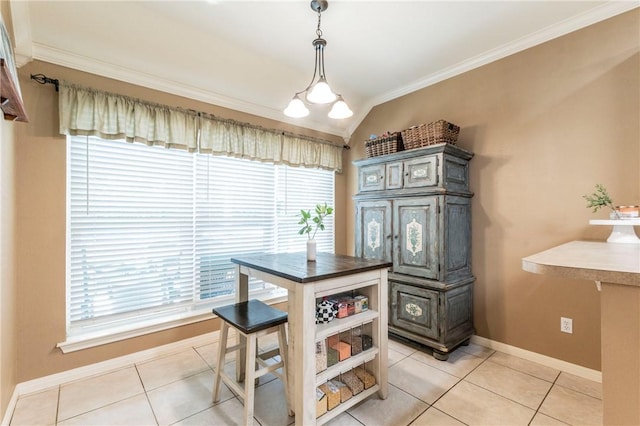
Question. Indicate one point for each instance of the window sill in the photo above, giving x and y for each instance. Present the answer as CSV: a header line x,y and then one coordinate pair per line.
x,y
94,339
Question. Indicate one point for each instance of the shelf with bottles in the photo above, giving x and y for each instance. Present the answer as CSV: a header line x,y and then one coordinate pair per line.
x,y
344,389
340,324
348,347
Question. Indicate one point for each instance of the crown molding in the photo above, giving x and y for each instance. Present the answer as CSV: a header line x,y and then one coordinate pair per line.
x,y
595,15
21,31
94,66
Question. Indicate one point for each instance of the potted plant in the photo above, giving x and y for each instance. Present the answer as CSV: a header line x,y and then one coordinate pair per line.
x,y
311,224
600,198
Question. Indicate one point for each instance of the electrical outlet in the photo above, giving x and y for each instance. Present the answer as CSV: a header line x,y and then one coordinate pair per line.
x,y
566,325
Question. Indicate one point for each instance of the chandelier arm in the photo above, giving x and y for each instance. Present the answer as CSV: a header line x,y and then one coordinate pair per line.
x,y
321,93
315,71
321,61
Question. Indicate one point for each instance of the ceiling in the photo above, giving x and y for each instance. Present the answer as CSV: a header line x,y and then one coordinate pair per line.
x,y
252,56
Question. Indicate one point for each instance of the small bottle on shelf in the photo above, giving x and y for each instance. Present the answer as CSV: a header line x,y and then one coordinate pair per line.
x,y
332,353
362,371
367,333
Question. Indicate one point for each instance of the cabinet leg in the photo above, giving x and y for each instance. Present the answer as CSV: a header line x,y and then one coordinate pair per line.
x,y
440,356
466,342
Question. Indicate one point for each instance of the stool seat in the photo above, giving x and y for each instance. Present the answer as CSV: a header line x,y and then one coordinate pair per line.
x,y
251,316
251,319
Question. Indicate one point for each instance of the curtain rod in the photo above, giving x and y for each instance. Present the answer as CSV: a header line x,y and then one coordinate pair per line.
x,y
43,79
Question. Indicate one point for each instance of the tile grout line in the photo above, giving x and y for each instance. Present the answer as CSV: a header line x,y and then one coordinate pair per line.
x,y
456,384
447,391
495,393
101,407
402,390
544,398
146,395
411,395
525,372
58,403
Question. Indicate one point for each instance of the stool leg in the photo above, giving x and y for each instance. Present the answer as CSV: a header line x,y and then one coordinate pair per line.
x,y
284,355
249,379
222,351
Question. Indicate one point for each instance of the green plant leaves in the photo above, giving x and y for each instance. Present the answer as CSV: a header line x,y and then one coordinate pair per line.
x,y
321,211
600,198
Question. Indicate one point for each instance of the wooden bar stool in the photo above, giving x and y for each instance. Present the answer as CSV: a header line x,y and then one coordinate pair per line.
x,y
252,319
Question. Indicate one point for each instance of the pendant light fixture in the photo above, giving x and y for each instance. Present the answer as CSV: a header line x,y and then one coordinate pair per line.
x,y
318,92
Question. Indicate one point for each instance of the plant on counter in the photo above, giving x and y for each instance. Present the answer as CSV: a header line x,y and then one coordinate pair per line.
x,y
600,198
310,223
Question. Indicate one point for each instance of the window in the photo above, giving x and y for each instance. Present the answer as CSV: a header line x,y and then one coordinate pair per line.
x,y
151,230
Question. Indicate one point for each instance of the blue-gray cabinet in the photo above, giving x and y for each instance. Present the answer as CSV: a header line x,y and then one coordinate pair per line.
x,y
413,208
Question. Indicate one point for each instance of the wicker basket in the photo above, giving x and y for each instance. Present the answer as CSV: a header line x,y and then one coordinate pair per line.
x,y
384,145
428,134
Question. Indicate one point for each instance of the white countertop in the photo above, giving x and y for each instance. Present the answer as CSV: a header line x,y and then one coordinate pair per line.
x,y
615,222
590,260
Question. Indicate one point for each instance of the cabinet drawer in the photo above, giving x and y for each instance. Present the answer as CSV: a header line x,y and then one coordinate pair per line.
x,y
394,175
372,177
421,172
413,309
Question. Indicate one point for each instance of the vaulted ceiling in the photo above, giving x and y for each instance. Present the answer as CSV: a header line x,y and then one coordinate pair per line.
x,y
253,56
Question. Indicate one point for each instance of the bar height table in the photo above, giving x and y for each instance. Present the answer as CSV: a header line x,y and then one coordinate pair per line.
x,y
615,267
305,282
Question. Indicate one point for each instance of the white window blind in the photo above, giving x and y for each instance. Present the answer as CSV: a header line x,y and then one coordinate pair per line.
x,y
151,230
298,189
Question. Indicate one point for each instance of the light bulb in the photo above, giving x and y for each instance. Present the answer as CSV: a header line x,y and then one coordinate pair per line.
x,y
296,108
340,109
321,93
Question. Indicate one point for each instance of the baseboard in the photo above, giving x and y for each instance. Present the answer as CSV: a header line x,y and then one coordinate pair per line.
x,y
567,367
57,379
10,407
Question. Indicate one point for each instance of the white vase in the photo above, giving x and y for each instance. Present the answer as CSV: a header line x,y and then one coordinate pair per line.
x,y
311,250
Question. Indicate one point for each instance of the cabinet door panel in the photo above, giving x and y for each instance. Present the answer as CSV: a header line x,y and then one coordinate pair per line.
x,y
413,309
421,172
416,237
456,173
458,307
394,175
457,238
373,230
372,178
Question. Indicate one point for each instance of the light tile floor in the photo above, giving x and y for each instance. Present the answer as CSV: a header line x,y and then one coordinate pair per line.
x,y
475,386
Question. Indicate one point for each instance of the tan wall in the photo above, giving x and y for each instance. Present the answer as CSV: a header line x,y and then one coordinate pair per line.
x,y
546,125
8,285
41,204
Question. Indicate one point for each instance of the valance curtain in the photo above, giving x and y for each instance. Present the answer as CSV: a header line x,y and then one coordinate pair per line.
x,y
91,112
234,139
87,112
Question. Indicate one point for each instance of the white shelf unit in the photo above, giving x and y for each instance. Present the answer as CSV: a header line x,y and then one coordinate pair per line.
x,y
306,282
371,356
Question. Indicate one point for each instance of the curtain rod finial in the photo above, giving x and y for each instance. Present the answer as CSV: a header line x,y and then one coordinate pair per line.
x,y
43,79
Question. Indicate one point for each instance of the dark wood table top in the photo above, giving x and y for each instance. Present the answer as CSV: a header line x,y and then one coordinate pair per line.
x,y
295,267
